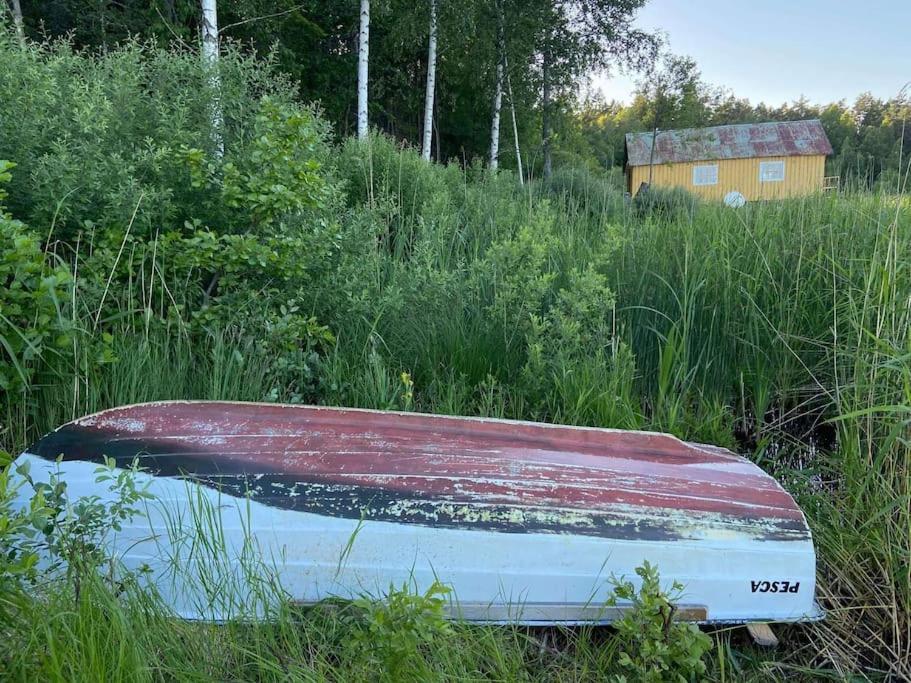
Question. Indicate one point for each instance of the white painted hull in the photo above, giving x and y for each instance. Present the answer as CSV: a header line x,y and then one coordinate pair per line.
x,y
532,578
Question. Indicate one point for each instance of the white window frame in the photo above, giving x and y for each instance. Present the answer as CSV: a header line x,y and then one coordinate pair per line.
x,y
771,171
699,171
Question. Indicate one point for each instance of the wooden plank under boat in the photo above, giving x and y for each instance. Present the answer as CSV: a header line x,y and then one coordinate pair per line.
x,y
526,522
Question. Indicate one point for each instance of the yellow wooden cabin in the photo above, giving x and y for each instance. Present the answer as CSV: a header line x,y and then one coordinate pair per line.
x,y
758,160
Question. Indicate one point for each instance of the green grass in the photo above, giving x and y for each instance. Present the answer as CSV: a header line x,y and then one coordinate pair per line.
x,y
129,636
780,329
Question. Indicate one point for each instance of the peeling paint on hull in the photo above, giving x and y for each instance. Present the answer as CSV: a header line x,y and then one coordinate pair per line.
x,y
438,483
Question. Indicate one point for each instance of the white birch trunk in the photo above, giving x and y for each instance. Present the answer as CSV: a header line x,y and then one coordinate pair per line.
x,y
495,122
210,32
363,57
431,82
497,94
210,57
498,91
16,9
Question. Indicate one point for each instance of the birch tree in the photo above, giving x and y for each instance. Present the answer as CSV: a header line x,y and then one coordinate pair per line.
x,y
497,91
579,35
431,82
545,111
16,10
210,32
667,90
495,119
210,57
363,57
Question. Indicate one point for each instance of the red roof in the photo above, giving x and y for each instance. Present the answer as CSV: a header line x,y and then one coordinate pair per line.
x,y
744,141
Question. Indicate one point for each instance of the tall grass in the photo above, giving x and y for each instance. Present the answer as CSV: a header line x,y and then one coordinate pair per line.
x,y
784,326
780,329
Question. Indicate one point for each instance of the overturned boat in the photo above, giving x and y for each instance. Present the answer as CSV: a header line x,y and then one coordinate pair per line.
x,y
526,522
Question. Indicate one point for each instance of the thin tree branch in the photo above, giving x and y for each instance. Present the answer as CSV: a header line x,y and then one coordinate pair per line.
x,y
265,16
171,29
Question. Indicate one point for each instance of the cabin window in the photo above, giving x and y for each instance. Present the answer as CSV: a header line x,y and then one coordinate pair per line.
x,y
771,171
705,175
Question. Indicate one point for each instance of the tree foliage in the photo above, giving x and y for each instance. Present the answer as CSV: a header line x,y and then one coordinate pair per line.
x,y
553,43
314,43
867,136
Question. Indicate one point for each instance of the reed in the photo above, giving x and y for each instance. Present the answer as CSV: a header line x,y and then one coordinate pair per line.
x,y
780,329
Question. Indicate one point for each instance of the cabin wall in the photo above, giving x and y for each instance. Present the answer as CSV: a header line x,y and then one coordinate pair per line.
x,y
803,175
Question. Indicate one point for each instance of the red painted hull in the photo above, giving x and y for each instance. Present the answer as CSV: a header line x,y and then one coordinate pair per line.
x,y
445,471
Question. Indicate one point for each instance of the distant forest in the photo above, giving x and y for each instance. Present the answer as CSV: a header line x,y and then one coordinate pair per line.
x,y
871,137
547,47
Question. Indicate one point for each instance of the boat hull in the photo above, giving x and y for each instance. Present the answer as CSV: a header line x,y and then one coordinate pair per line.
x,y
526,523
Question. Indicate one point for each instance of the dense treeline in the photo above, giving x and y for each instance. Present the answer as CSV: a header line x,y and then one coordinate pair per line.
x,y
544,45
315,42
869,136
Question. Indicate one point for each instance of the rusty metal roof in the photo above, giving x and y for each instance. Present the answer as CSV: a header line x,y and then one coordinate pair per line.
x,y
744,141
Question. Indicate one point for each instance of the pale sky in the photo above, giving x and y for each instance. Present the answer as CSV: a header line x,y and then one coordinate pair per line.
x,y
774,51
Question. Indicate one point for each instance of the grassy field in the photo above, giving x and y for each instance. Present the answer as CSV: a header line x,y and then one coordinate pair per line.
x,y
780,330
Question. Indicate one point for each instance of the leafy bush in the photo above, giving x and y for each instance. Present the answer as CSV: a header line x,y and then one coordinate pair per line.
x,y
68,535
381,168
575,360
592,192
272,173
31,298
667,203
118,164
653,647
518,278
126,138
394,632
72,533
402,191
18,561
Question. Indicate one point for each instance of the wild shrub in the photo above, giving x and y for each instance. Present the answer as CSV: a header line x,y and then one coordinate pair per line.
x,y
594,193
72,533
670,204
653,646
408,196
32,295
553,323
578,323
396,633
273,172
118,163
208,286
67,536
18,559
380,167
517,278
577,368
110,140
